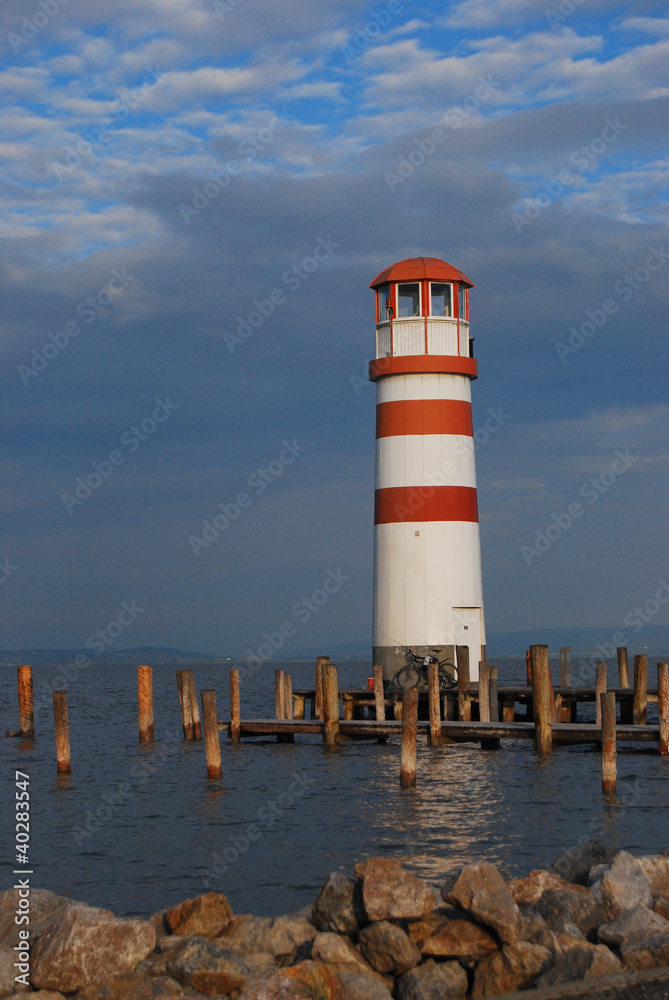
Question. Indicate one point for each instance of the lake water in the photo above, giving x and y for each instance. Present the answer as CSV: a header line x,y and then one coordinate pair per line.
x,y
135,829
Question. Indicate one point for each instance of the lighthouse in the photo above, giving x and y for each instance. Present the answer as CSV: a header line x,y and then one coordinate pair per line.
x,y
428,593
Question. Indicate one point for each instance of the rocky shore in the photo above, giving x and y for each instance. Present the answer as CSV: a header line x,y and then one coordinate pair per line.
x,y
377,935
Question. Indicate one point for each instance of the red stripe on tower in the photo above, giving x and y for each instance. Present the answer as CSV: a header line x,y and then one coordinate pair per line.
x,y
397,504
424,416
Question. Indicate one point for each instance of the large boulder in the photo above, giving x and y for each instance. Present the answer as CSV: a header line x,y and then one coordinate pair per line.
x,y
390,893
571,903
80,945
433,981
515,967
45,906
480,891
458,936
339,907
132,986
208,967
637,921
582,961
645,952
623,886
656,869
575,865
7,971
286,938
530,889
359,986
204,916
387,948
338,951
321,982
535,930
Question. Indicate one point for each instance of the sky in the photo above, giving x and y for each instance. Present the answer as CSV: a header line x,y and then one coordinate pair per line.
x,y
196,195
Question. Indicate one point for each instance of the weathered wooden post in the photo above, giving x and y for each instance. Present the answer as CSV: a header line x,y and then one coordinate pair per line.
x,y
484,691
318,696
145,703
185,704
235,707
212,744
640,710
623,667
330,704
464,700
288,704
26,711
565,667
528,668
379,696
298,706
493,696
663,706
607,711
409,734
280,694
195,709
62,730
600,688
435,704
541,697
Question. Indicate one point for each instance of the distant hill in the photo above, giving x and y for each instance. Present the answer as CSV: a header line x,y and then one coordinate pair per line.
x,y
142,654
651,639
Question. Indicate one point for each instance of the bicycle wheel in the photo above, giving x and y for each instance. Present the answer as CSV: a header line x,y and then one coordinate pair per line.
x,y
407,677
447,680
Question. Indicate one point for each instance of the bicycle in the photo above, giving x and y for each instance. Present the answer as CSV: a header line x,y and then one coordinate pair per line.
x,y
417,670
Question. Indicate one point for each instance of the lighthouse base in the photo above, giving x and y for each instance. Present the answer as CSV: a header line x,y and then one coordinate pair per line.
x,y
395,658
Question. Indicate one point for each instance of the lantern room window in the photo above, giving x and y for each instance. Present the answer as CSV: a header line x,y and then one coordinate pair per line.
x,y
408,300
384,302
441,298
462,302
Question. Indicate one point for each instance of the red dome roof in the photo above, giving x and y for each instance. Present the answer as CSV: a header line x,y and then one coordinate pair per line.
x,y
417,268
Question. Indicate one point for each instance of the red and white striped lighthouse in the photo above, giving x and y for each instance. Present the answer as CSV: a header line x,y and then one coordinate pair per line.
x,y
428,592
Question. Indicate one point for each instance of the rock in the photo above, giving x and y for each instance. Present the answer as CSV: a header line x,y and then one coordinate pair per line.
x,y
530,889
336,949
287,938
8,982
80,945
570,904
339,905
623,886
656,869
208,966
535,930
515,967
157,921
390,893
661,906
47,995
358,986
322,983
433,981
480,891
133,986
459,937
643,952
43,906
637,921
387,948
276,987
575,865
204,916
420,930
583,961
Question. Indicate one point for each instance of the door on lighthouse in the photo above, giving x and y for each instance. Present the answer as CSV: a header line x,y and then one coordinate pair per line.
x,y
467,632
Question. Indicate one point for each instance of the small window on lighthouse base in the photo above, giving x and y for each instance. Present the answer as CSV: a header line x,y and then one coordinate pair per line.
x,y
441,296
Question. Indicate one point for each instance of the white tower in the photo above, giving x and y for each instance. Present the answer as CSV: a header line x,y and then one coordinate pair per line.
x,y
428,592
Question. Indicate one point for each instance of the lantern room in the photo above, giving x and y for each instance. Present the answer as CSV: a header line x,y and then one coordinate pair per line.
x,y
422,307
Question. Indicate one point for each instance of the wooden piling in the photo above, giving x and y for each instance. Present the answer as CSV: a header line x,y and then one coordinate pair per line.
x,y
320,664
607,712
185,704
212,744
528,668
197,725
299,706
235,706
623,667
288,695
409,733
26,711
600,689
493,697
663,706
62,730
280,694
541,697
484,691
640,710
330,704
145,703
435,703
379,697
464,700
565,667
